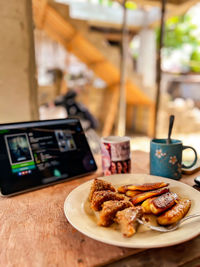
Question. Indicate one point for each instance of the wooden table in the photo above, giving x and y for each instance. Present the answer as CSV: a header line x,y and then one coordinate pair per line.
x,y
35,232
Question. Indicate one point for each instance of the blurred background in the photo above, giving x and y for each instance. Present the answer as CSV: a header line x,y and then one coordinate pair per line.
x,y
122,67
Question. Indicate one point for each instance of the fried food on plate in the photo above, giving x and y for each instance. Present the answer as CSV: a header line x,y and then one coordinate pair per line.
x,y
146,205
147,187
130,193
99,185
176,213
109,210
122,189
150,198
163,202
127,219
143,187
99,197
143,196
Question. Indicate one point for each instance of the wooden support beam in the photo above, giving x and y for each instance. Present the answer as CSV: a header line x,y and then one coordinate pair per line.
x,y
18,85
159,64
136,98
111,114
59,24
129,116
108,25
63,88
93,64
121,125
54,35
73,39
151,121
40,12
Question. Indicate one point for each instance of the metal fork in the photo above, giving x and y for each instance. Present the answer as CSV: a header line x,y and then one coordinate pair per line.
x,y
168,228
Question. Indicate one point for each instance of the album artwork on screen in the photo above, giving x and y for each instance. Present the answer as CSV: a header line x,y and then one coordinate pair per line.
x,y
19,151
65,141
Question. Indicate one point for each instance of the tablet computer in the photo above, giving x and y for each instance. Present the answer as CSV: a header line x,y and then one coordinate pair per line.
x,y
39,153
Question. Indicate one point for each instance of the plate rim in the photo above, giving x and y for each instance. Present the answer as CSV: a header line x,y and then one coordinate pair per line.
x,y
118,243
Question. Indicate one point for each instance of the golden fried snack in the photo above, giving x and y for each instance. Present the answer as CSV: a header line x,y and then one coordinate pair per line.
x,y
99,197
163,202
146,205
99,185
176,213
127,219
147,187
130,193
109,210
141,197
143,187
122,189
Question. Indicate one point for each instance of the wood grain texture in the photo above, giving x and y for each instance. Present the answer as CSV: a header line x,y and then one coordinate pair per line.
x,y
183,255
35,232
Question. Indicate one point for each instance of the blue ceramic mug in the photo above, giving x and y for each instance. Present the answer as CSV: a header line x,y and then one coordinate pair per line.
x,y
166,159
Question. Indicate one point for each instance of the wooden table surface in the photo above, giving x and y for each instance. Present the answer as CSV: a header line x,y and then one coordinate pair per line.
x,y
35,232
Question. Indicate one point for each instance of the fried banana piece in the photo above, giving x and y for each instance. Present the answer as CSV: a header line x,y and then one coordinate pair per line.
x,y
146,205
109,210
99,197
147,187
122,189
176,213
127,220
99,185
163,202
143,196
130,193
144,187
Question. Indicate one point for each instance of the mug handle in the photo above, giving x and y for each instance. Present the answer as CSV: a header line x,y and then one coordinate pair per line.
x,y
195,160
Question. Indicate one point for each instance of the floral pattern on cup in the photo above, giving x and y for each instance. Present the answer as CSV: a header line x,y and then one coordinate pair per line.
x,y
159,154
173,160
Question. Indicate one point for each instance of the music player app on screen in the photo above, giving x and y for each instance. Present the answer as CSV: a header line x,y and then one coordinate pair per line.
x,y
38,153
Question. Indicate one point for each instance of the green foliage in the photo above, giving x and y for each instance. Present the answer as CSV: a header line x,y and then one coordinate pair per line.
x,y
131,5
106,2
179,30
195,60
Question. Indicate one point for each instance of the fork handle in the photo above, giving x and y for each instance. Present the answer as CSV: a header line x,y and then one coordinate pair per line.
x,y
189,217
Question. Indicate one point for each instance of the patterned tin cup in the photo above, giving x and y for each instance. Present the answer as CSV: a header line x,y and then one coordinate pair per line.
x,y
166,159
115,152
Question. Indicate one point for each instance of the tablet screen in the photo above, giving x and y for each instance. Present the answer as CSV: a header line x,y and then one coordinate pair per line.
x,y
34,154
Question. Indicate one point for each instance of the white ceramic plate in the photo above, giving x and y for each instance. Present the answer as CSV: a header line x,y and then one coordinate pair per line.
x,y
82,218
